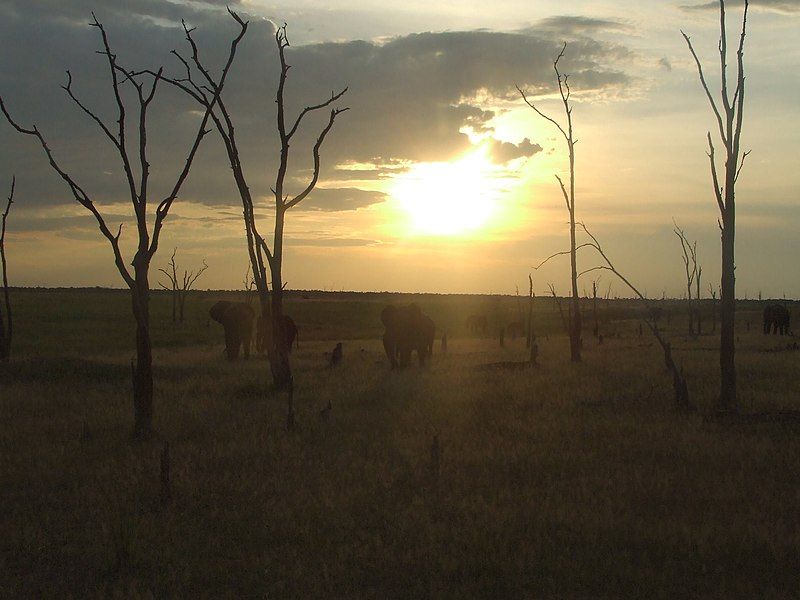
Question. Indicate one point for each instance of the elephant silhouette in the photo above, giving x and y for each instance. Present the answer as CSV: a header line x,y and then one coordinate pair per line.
x,y
477,324
407,329
776,319
237,320
288,329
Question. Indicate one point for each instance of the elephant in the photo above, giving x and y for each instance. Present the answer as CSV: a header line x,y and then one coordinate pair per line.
x,y
237,320
477,324
289,328
776,318
407,329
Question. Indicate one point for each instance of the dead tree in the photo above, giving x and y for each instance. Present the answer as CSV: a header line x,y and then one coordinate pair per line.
x,y
557,300
679,386
729,123
713,293
144,86
693,272
596,330
6,325
529,334
266,263
569,198
249,285
179,287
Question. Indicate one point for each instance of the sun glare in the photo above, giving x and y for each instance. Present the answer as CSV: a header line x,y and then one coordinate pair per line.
x,y
447,198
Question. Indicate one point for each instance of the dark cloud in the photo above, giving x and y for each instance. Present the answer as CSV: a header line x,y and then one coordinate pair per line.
x,y
574,25
331,242
339,199
410,96
503,152
665,64
788,6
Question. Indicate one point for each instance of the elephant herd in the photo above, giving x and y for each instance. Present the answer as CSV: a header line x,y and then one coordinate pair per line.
x,y
407,329
237,320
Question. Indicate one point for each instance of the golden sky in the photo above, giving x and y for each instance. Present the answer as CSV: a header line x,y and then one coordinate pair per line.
x,y
439,178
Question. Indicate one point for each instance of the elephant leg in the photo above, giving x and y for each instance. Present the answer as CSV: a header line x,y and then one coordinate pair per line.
x,y
421,355
405,357
391,350
246,339
230,340
236,343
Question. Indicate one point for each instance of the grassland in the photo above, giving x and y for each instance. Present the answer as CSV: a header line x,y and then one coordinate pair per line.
x,y
564,480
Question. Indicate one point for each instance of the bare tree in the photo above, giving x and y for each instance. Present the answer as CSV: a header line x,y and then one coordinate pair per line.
x,y
249,285
530,337
6,326
680,388
557,301
729,123
596,330
713,293
569,198
138,281
180,286
693,273
200,84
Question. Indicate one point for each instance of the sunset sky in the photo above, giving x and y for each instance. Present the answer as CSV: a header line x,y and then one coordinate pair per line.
x,y
439,178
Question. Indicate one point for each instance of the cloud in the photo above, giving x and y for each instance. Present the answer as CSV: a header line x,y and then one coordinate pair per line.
x,y
574,25
410,97
503,152
340,199
331,242
665,64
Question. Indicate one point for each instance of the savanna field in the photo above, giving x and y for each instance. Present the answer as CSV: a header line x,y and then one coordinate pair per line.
x,y
559,480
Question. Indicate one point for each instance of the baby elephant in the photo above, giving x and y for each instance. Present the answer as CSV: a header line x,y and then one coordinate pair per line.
x,y
237,320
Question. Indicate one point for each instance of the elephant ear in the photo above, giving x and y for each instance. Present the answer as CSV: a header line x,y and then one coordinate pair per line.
x,y
217,312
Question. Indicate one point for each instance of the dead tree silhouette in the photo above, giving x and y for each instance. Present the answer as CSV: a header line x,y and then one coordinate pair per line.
x,y
713,293
569,198
7,324
679,386
179,287
693,274
199,83
138,281
557,300
729,122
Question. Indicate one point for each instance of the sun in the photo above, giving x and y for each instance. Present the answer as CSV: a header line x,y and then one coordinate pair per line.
x,y
448,198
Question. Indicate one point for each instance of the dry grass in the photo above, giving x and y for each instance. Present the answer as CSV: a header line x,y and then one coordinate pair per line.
x,y
563,480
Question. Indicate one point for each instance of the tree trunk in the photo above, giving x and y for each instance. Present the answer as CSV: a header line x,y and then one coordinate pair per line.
x,y
727,396
575,316
279,351
181,304
143,370
174,302
4,340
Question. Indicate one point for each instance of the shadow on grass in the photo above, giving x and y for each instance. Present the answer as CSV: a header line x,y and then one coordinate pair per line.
x,y
80,370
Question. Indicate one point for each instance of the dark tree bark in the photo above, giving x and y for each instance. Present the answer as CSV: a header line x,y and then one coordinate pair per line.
x,y
569,197
729,122
147,246
266,263
7,324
